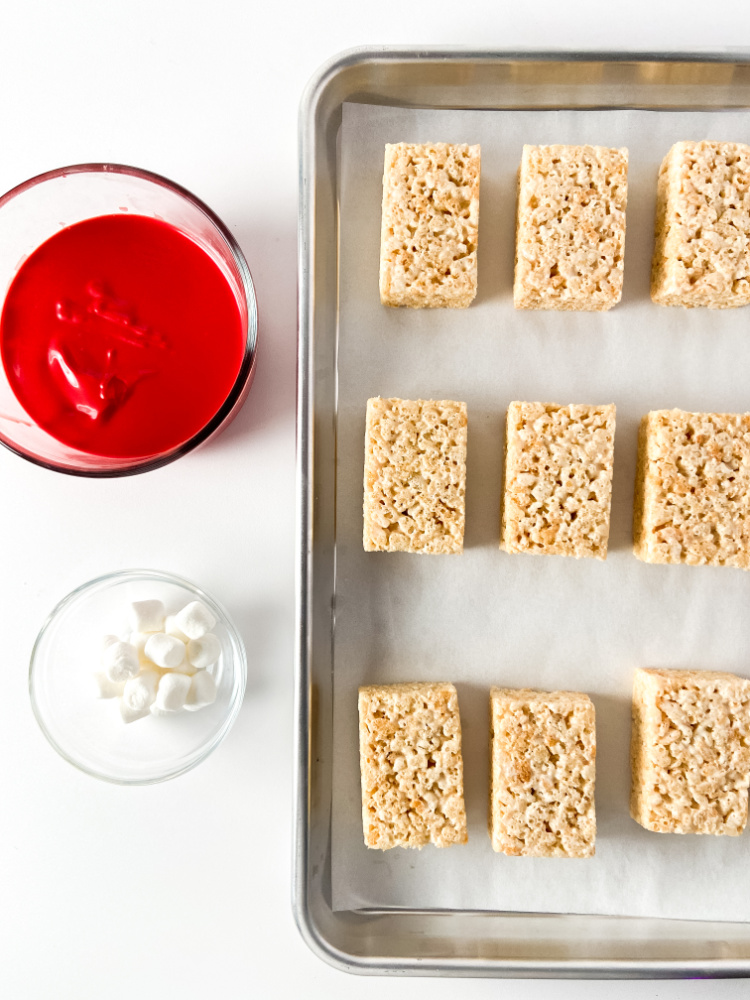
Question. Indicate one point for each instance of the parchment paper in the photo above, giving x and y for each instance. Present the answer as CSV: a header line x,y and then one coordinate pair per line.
x,y
485,617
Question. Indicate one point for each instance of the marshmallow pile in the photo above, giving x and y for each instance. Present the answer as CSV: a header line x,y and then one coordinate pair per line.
x,y
160,665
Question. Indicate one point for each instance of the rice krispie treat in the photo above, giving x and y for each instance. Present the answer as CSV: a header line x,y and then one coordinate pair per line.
x,y
430,225
570,227
542,769
558,479
692,489
411,766
702,246
415,476
690,751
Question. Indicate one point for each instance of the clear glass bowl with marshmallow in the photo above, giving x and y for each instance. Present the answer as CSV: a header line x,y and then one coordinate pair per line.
x,y
90,728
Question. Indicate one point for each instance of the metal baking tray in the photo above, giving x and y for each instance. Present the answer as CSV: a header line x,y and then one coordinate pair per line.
x,y
448,942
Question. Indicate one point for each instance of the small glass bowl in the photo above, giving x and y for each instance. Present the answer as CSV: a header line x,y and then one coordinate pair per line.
x,y
40,207
88,731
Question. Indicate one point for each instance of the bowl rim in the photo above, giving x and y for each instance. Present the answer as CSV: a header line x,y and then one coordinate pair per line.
x,y
240,671
243,380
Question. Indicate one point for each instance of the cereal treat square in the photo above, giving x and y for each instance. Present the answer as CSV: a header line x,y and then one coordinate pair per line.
x,y
542,770
558,479
411,766
690,751
430,225
692,489
415,476
570,227
702,246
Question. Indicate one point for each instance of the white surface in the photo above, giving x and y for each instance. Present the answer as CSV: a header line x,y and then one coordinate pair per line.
x,y
486,618
206,94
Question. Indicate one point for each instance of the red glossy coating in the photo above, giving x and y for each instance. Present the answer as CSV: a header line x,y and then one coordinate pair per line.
x,y
121,336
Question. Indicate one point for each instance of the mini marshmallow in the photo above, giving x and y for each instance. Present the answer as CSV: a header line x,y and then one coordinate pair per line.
x,y
120,661
109,639
204,652
140,691
165,650
202,691
131,715
172,692
195,620
139,640
171,628
105,688
146,616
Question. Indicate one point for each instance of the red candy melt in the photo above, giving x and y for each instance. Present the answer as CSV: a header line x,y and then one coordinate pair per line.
x,y
121,337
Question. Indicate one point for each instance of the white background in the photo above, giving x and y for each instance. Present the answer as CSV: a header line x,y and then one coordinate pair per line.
x,y
182,890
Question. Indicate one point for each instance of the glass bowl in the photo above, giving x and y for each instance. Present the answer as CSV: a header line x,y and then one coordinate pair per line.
x,y
88,731
38,209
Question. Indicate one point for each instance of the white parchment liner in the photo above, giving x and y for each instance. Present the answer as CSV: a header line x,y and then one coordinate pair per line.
x,y
485,617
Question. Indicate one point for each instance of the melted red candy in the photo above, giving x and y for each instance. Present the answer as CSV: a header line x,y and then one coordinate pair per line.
x,y
121,337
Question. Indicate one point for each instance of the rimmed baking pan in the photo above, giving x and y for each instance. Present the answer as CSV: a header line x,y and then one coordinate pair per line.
x,y
448,941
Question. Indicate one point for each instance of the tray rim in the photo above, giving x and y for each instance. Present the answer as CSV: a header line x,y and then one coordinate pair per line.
x,y
311,933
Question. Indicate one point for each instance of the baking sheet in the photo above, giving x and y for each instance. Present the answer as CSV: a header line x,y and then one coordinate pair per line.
x,y
486,618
